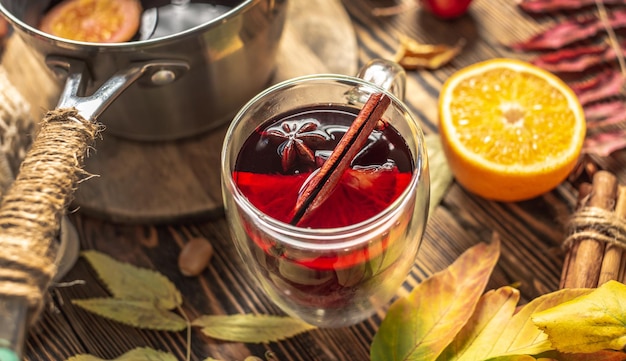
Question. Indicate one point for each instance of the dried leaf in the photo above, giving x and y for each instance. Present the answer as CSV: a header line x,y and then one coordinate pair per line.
x,y
440,174
137,354
549,6
604,85
604,144
601,111
413,55
251,328
142,314
421,325
569,32
589,323
128,282
577,59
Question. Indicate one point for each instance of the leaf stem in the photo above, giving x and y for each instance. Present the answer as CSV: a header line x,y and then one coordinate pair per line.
x,y
188,322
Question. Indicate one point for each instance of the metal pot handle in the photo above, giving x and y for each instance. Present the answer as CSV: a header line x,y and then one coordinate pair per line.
x,y
68,137
159,72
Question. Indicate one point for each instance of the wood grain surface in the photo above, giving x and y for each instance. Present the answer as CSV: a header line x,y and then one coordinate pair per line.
x,y
531,231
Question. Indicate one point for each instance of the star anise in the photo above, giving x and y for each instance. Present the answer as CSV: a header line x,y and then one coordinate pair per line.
x,y
296,137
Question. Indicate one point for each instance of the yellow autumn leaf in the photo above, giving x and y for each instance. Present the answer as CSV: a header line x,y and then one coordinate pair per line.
x,y
497,331
522,336
126,281
421,325
250,328
518,358
138,354
491,316
589,323
142,314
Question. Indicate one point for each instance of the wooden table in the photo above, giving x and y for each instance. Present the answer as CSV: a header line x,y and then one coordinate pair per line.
x,y
531,231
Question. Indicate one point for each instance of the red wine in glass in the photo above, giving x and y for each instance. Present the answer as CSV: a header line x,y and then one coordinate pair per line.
x,y
271,168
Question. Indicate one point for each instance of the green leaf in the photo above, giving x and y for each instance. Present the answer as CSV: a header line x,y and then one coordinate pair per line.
x,y
421,325
440,174
138,354
129,282
496,331
251,328
589,323
142,314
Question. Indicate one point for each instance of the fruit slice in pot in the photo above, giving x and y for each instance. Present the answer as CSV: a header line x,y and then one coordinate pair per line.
x,y
96,21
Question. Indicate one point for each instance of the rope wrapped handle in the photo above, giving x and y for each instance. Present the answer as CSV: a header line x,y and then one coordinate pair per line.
x,y
31,210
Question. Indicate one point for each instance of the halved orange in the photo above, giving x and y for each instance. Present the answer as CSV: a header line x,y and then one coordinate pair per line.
x,y
96,21
511,131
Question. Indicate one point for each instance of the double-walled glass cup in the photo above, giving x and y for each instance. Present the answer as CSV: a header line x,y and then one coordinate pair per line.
x,y
330,277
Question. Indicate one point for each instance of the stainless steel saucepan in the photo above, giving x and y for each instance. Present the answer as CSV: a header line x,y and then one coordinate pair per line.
x,y
195,78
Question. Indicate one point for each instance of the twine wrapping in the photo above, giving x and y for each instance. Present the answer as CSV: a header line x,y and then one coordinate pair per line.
x,y
31,210
597,224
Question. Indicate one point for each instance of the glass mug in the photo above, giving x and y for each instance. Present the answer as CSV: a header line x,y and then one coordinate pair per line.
x,y
327,276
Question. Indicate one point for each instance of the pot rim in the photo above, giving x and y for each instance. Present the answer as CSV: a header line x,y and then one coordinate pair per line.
x,y
32,31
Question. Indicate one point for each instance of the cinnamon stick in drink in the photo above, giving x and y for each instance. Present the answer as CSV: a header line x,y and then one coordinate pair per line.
x,y
586,254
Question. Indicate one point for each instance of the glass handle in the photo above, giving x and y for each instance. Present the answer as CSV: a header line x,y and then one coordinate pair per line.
x,y
385,74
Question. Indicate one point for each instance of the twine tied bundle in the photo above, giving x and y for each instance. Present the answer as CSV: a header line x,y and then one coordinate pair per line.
x,y
31,209
597,224
596,242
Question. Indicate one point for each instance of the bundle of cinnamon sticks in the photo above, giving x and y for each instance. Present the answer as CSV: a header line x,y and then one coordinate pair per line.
x,y
596,242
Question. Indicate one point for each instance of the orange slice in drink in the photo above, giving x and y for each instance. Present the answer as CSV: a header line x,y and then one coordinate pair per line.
x,y
511,131
96,21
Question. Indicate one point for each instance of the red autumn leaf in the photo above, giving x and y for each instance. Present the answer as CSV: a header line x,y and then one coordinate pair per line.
x,y
548,6
601,86
579,59
617,122
601,111
569,32
605,117
603,144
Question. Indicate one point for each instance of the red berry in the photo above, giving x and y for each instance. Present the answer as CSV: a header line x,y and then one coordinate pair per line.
x,y
446,9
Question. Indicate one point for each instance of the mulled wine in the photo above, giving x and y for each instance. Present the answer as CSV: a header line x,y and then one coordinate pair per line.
x,y
350,250
282,153
273,165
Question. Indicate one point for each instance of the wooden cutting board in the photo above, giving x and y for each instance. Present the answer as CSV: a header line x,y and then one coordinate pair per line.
x,y
162,182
